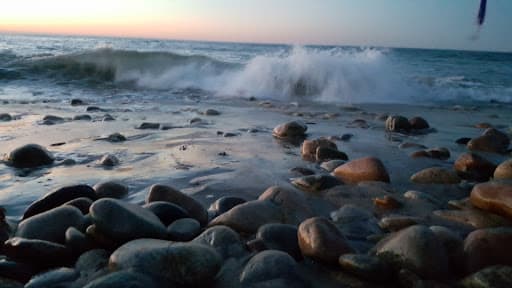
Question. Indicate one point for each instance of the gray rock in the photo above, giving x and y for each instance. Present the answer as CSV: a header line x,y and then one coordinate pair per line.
x,y
490,277
37,252
123,279
109,160
148,125
51,225
29,156
293,204
77,241
211,112
116,137
487,247
110,189
331,165
293,129
83,204
366,267
82,117
268,265
169,194
356,223
167,212
224,204
282,237
316,183
123,221
5,117
185,264
184,229
223,239
398,222
57,278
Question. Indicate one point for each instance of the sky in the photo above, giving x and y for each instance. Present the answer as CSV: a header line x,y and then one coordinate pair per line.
x,y
444,24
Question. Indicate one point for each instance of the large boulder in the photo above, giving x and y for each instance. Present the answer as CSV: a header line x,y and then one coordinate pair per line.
x,y
363,169
123,221
169,194
181,264
29,156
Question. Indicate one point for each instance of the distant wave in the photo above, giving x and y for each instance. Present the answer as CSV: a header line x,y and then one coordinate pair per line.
x,y
328,75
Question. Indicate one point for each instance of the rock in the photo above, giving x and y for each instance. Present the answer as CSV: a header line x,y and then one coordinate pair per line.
x,y
292,203
418,123
223,239
321,240
29,156
495,197
309,147
59,197
492,140
500,136
331,165
77,241
109,160
470,166
301,171
434,153
61,277
435,175
180,264
184,229
92,265
397,124
490,277
211,112
167,212
249,216
366,267
487,247
169,194
108,117
51,225
17,271
37,252
123,221
327,153
416,195
504,170
387,202
83,204
110,189
148,125
82,117
463,140
416,248
224,204
355,223
291,129
397,222
53,118
268,265
116,137
8,283
363,169
128,279
282,237
407,145
453,245
5,117
93,109
77,102
316,183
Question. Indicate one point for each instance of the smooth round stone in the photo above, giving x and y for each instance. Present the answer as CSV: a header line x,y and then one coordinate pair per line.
x,y
169,194
292,129
224,204
418,123
109,160
211,112
167,212
108,117
249,216
327,153
492,140
38,252
293,204
18,271
309,147
490,277
223,239
111,189
418,249
282,237
184,229
61,277
123,279
463,140
184,264
453,245
487,247
268,265
148,125
387,202
321,240
51,225
77,241
495,197
500,136
363,169
316,183
434,153
116,137
356,223
82,117
93,109
100,239
125,221
5,117
331,165
397,223
77,102
397,123
53,118
29,156
59,197
83,204
503,171
435,175
474,167
416,195
365,267
92,265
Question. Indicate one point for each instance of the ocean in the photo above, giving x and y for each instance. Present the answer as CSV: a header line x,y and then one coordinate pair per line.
x,y
55,67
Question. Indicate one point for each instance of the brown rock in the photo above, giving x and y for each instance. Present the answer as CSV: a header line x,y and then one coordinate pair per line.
x,y
309,147
387,202
327,153
293,129
486,247
504,170
495,197
363,169
292,203
321,240
473,167
435,175
492,140
434,153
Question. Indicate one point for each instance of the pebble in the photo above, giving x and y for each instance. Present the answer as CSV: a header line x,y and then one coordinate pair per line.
x,y
110,189
116,137
29,156
269,265
504,171
387,202
363,169
60,277
223,239
82,117
418,123
316,183
331,165
128,279
293,129
224,204
498,276
435,175
5,117
109,160
211,112
309,148
321,240
275,236
293,204
77,102
495,197
398,222
37,252
166,212
148,125
83,204
184,229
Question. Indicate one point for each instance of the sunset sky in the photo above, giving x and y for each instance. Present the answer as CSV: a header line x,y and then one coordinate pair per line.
x,y
396,23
